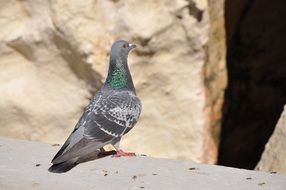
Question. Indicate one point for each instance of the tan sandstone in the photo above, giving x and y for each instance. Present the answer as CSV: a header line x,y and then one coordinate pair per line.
x,y
273,158
54,55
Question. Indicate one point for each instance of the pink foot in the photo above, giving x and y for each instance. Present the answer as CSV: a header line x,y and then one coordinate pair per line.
x,y
121,153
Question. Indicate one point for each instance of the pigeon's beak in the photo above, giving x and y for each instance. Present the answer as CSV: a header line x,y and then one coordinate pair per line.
x,y
132,46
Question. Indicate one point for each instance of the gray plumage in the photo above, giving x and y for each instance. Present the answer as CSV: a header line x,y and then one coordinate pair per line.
x,y
112,113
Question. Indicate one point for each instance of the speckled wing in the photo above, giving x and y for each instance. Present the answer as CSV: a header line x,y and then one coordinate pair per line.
x,y
113,116
108,116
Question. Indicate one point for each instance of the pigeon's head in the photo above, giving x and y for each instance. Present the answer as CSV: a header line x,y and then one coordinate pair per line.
x,y
120,49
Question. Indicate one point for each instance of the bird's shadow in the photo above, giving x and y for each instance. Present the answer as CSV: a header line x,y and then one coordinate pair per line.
x,y
98,154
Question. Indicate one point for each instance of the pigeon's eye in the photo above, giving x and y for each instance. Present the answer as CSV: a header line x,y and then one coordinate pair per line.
x,y
125,46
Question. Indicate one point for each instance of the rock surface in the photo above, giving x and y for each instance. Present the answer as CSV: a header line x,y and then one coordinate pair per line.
x,y
22,170
54,55
274,155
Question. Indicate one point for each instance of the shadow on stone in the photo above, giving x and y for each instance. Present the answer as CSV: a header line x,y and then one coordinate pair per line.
x,y
70,164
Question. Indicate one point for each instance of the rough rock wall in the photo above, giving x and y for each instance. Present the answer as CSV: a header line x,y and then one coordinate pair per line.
x,y
54,55
215,68
44,80
273,158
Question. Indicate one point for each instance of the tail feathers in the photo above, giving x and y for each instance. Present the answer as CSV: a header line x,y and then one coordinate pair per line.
x,y
60,152
63,166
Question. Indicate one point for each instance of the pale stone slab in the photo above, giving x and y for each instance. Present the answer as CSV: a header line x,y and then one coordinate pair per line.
x,y
274,155
24,164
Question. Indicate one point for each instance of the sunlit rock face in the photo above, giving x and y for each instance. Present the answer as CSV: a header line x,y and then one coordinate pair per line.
x,y
54,56
273,158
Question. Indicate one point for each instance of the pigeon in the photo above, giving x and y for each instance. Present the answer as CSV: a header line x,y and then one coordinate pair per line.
x,y
111,113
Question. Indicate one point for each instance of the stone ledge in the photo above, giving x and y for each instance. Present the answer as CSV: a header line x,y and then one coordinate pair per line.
x,y
24,166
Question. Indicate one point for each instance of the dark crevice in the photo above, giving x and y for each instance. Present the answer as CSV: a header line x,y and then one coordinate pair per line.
x,y
256,91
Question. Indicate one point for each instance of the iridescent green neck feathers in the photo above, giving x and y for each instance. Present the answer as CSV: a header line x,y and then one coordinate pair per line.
x,y
118,74
117,78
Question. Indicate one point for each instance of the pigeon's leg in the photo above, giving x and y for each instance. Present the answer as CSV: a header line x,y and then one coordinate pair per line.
x,y
116,144
119,152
